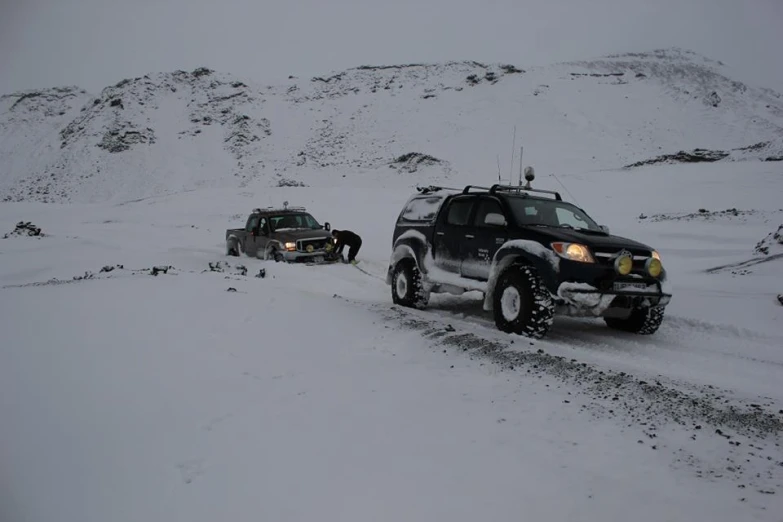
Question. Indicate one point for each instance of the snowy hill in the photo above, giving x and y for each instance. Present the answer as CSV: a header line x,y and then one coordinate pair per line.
x,y
169,132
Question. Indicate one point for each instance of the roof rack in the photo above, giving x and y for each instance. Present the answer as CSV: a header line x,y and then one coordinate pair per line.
x,y
468,187
492,190
434,188
520,189
276,210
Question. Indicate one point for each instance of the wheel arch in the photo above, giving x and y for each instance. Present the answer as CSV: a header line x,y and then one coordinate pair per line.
x,y
234,241
547,267
273,244
407,248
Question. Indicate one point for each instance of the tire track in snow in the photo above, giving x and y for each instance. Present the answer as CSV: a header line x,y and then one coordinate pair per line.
x,y
668,415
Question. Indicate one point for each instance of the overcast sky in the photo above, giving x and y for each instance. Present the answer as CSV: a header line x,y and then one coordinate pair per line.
x,y
94,43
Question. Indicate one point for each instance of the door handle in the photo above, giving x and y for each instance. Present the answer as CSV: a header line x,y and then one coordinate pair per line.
x,y
469,236
439,233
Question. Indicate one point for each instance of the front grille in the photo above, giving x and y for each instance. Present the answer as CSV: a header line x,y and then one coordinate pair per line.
x,y
317,244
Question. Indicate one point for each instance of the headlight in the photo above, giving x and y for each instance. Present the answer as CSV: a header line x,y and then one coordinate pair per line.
x,y
290,246
574,252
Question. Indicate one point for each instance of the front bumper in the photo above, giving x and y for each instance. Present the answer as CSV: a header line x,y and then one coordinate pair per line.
x,y
580,299
310,257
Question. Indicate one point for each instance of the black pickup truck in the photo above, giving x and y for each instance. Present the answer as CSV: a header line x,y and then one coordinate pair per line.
x,y
530,253
287,234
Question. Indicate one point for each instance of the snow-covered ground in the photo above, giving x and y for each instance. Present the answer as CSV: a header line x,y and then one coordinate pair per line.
x,y
306,395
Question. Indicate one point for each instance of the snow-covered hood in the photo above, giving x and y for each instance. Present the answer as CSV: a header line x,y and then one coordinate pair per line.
x,y
292,234
593,240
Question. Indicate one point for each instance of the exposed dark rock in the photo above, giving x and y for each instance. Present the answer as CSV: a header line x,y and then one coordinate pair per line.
x,y
755,147
285,182
384,67
772,240
510,69
119,140
694,156
25,228
599,75
411,161
334,77
202,71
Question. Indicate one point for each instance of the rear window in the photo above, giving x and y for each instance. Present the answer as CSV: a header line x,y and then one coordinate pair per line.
x,y
421,209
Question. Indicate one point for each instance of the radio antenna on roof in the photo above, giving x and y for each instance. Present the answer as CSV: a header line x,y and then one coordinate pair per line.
x,y
521,150
513,146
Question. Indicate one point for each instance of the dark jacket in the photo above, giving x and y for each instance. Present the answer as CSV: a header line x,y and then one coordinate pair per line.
x,y
346,238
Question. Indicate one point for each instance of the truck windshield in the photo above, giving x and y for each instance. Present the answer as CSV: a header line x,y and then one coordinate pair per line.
x,y
294,221
549,213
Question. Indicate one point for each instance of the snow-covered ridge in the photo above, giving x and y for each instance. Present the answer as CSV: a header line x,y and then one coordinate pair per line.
x,y
169,132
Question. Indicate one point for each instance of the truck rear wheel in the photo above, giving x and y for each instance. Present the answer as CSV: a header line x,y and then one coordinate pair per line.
x,y
642,321
522,304
406,287
233,249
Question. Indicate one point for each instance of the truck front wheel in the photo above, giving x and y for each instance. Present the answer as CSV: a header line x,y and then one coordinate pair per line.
x,y
522,304
406,286
642,321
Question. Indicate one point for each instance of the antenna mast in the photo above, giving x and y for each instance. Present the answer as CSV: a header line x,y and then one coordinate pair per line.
x,y
498,168
513,146
521,150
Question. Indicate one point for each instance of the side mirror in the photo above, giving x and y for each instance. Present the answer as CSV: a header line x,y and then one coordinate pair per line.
x,y
495,220
605,228
327,226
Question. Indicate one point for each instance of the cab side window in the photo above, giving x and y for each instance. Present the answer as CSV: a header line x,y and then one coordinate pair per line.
x,y
459,211
252,223
487,206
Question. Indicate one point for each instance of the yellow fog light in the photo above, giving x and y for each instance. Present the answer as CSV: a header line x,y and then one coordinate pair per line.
x,y
654,266
623,264
310,248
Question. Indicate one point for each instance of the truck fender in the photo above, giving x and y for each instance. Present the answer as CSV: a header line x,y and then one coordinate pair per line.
x,y
522,252
270,246
234,241
408,247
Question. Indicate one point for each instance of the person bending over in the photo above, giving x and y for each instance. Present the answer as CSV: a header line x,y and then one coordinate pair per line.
x,y
351,240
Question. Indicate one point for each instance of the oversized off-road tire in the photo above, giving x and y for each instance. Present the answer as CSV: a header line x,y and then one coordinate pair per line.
x,y
522,304
642,321
406,286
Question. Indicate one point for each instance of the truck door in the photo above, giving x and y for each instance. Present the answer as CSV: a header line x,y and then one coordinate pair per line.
x,y
250,239
485,235
257,235
451,231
